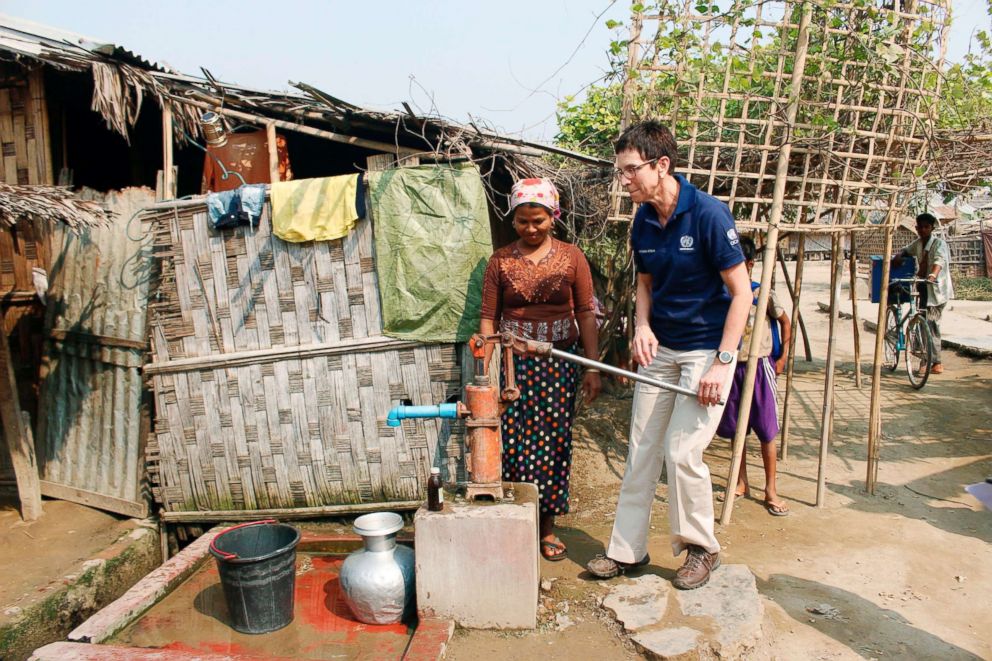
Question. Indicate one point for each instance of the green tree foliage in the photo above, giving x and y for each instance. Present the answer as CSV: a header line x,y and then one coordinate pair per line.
x,y
967,93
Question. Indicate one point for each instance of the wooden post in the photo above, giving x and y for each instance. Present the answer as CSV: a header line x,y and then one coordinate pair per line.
x,y
853,267
373,145
270,140
168,161
837,266
797,316
17,433
791,360
767,267
874,409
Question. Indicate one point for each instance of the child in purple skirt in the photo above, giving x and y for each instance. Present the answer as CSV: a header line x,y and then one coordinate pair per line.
x,y
764,406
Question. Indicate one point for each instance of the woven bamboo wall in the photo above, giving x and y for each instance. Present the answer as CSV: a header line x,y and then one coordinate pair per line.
x,y
24,159
272,378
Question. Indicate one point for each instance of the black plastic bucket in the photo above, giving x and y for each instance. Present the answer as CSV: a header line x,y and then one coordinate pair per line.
x,y
257,565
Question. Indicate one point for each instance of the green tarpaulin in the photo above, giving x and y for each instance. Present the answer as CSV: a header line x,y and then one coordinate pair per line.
x,y
432,242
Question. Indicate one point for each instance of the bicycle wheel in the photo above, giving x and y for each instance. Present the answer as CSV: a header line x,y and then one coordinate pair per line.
x,y
919,351
890,359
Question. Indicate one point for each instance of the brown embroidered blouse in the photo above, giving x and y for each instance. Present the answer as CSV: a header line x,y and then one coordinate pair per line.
x,y
538,301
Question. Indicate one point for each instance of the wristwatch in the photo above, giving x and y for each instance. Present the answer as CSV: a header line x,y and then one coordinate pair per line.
x,y
725,357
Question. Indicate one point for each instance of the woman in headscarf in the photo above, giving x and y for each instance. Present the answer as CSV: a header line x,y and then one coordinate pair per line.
x,y
540,288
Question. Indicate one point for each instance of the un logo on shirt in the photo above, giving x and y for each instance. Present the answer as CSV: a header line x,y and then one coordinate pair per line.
x,y
686,242
732,236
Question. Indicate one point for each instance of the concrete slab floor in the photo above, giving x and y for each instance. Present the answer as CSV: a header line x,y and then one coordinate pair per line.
x,y
193,618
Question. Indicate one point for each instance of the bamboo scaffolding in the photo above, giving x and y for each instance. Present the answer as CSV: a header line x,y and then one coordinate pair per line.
x,y
768,268
824,157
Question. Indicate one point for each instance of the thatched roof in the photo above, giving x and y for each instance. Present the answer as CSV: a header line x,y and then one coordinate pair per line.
x,y
123,78
48,204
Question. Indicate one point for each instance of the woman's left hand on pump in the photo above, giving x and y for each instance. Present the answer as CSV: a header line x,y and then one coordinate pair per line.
x,y
591,386
711,384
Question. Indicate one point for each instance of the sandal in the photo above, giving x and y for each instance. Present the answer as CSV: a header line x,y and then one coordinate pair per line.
x,y
604,567
553,551
777,509
721,497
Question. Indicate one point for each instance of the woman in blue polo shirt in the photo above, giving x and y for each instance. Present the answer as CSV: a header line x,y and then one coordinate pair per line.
x,y
693,296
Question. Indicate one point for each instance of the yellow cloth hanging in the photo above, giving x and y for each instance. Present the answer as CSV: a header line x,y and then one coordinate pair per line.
x,y
314,209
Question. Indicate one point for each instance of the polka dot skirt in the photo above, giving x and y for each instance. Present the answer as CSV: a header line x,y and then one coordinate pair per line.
x,y
537,428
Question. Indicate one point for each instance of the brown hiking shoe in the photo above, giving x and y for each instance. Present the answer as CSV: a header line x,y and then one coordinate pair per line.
x,y
695,572
603,567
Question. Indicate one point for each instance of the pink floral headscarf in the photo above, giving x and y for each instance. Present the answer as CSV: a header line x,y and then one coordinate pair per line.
x,y
537,191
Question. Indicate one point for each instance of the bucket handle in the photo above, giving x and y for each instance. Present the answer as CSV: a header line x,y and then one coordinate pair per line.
x,y
225,554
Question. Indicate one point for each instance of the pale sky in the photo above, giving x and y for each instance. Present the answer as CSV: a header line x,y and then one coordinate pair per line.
x,y
507,63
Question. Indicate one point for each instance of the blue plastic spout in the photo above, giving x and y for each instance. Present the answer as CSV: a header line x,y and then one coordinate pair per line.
x,y
398,413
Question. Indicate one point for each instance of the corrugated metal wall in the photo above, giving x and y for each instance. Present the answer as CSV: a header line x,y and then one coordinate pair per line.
x,y
89,442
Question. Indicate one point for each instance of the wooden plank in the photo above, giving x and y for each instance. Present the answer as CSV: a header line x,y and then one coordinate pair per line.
x,y
99,340
42,142
134,509
300,128
144,594
276,354
88,652
17,435
288,513
168,173
270,141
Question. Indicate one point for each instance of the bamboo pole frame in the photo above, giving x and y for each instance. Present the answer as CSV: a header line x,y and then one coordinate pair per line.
x,y
853,268
795,296
768,268
874,409
842,157
791,360
836,265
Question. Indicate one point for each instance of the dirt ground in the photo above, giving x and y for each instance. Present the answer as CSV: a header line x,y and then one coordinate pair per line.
x,y
906,572
37,554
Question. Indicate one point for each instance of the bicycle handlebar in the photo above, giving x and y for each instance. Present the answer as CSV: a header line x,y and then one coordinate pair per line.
x,y
908,281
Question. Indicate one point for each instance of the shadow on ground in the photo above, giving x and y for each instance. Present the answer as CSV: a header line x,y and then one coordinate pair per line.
x,y
866,628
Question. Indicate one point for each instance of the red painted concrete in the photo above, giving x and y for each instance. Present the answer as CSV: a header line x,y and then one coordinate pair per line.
x,y
177,613
193,618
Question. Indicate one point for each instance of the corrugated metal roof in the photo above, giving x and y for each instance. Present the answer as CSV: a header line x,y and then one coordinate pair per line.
x,y
62,47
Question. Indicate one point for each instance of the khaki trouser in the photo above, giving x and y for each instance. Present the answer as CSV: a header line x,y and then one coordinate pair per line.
x,y
672,428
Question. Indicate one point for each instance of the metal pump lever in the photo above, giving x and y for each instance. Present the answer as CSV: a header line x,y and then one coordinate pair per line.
x,y
547,349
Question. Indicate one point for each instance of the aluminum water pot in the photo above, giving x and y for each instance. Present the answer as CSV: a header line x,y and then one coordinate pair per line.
x,y
378,580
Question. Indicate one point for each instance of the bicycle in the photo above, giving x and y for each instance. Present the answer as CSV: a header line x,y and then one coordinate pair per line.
x,y
910,334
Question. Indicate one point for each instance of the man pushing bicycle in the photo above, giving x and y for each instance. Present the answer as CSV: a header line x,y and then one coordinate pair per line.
x,y
932,257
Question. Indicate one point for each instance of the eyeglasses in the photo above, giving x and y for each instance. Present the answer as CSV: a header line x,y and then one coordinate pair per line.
x,y
631,170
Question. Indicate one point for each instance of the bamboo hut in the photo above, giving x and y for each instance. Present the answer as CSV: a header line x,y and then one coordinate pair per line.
x,y
228,433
